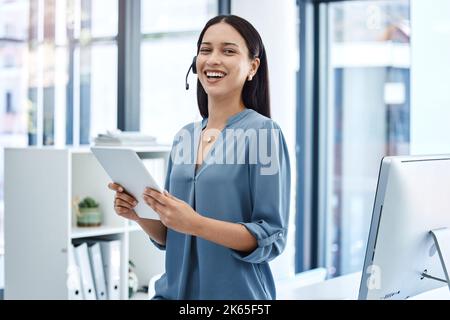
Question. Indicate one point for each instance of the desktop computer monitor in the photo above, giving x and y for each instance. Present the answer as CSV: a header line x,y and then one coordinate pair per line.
x,y
403,258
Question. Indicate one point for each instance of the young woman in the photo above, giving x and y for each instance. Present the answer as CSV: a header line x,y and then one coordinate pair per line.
x,y
225,213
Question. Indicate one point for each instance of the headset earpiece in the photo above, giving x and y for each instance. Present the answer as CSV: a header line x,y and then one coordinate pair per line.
x,y
194,65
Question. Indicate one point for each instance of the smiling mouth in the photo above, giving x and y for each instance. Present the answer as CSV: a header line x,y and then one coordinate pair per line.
x,y
215,74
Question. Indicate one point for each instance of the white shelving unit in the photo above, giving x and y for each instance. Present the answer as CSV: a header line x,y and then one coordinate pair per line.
x,y
41,187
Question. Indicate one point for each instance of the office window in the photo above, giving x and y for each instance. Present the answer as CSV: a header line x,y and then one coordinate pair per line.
x,y
13,83
169,36
58,73
92,100
367,116
103,100
42,70
69,87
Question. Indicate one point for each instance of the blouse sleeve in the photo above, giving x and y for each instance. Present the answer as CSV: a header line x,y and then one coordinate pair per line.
x,y
270,192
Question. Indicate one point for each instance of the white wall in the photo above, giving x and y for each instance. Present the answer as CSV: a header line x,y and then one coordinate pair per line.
x,y
276,23
430,76
2,271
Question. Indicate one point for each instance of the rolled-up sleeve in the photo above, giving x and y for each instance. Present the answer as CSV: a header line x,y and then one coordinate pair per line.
x,y
270,194
158,245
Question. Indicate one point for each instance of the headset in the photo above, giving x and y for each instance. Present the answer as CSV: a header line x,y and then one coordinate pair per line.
x,y
193,66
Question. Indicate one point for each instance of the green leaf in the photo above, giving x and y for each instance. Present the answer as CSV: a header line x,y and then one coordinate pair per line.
x,y
88,202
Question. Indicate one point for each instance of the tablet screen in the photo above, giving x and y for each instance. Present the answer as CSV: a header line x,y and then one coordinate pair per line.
x,y
125,167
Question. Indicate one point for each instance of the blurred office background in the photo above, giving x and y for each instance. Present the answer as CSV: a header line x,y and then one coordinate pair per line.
x,y
351,81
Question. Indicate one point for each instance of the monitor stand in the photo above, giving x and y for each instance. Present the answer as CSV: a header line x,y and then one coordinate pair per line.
x,y
441,239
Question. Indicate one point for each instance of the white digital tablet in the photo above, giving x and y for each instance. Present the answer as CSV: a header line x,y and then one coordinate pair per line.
x,y
125,167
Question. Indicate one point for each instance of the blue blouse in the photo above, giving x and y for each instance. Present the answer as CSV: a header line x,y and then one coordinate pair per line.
x,y
253,193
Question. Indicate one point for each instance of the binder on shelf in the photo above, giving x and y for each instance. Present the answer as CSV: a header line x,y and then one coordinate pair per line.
x,y
74,277
97,269
87,281
111,264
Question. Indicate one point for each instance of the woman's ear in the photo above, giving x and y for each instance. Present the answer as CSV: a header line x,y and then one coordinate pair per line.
x,y
254,66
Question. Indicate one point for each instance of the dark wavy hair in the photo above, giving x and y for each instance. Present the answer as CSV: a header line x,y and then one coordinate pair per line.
x,y
255,93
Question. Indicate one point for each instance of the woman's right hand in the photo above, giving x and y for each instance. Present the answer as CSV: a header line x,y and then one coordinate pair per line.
x,y
124,203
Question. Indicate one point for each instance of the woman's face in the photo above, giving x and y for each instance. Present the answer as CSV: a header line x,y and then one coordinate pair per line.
x,y
223,64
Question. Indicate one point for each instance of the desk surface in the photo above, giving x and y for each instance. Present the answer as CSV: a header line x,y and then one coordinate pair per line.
x,y
345,288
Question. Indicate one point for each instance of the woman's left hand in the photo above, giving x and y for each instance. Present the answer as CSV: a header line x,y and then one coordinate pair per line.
x,y
174,213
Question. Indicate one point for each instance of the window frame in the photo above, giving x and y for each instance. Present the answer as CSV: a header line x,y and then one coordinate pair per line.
x,y
311,152
129,55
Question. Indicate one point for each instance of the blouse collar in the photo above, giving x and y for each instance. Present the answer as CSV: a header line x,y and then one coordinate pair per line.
x,y
234,118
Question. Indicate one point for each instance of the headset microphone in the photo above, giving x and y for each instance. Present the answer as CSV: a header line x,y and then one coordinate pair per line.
x,y
193,66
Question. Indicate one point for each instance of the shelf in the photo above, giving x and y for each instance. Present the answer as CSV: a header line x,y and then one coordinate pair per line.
x,y
140,296
72,174
86,148
83,232
148,148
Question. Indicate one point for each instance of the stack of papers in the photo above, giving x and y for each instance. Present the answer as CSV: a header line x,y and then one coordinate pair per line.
x,y
120,138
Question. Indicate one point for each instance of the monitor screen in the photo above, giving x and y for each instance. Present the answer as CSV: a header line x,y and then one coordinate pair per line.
x,y
412,198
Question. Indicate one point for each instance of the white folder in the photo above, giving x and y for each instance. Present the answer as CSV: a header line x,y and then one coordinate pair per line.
x,y
97,269
111,264
74,277
87,281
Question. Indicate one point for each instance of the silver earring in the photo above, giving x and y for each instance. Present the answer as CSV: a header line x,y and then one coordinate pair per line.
x,y
249,78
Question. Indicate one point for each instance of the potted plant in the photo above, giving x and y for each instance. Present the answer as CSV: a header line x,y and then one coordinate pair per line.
x,y
89,214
